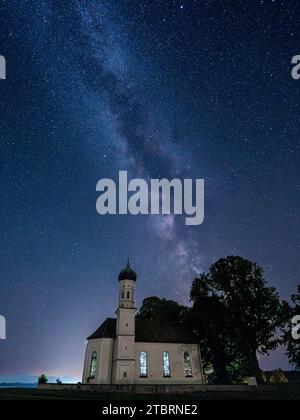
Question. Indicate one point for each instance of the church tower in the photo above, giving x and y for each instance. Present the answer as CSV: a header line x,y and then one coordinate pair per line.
x,y
125,330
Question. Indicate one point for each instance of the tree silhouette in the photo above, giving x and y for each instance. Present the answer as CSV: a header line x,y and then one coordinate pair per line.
x,y
248,312
42,379
154,308
211,322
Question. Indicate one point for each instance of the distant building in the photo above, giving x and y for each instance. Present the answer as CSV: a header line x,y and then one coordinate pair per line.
x,y
124,350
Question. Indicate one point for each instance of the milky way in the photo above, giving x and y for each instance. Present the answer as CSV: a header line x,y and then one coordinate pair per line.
x,y
188,89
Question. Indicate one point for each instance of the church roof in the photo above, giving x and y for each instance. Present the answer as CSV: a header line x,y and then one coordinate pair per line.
x,y
149,332
106,330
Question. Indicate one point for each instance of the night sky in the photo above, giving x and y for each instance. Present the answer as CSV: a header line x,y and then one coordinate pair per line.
x,y
160,88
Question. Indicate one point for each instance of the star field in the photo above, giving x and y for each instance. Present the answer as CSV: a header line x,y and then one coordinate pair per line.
x,y
189,89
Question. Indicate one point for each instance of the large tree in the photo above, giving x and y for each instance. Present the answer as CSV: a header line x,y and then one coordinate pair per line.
x,y
154,308
252,308
209,322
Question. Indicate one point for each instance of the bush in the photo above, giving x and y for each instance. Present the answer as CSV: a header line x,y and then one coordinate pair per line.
x,y
278,377
42,379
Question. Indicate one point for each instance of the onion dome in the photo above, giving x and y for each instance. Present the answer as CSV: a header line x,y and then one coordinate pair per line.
x,y
127,273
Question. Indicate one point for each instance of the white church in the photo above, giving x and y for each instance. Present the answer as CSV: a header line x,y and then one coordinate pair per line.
x,y
124,350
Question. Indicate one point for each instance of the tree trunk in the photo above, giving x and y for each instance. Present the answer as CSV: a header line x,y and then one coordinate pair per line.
x,y
222,376
254,369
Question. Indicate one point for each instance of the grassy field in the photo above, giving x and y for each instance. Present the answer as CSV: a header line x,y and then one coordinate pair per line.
x,y
35,394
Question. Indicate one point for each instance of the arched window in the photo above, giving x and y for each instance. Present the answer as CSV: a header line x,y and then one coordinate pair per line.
x,y
123,295
166,364
187,365
128,295
143,365
93,365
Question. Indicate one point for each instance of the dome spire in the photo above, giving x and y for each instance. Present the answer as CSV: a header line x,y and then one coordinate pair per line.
x,y
127,273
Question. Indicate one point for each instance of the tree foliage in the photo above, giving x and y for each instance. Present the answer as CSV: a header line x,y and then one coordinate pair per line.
x,y
154,308
245,315
42,379
210,324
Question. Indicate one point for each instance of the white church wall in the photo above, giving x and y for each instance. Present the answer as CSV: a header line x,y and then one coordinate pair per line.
x,y
104,349
155,363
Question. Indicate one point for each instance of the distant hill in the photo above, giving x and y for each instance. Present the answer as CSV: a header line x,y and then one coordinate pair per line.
x,y
17,385
26,379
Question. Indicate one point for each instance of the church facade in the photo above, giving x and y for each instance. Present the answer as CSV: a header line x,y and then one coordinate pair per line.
x,y
124,350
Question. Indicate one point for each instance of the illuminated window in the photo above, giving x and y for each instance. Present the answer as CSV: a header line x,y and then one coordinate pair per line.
x,y
166,364
93,365
187,365
143,365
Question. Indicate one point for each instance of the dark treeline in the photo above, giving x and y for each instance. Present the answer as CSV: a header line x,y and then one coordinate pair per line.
x,y
235,314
